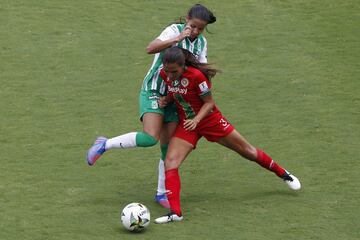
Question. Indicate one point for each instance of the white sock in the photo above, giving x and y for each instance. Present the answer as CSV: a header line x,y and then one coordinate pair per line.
x,y
161,178
127,140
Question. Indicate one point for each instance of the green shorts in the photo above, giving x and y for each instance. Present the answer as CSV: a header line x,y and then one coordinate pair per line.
x,y
148,102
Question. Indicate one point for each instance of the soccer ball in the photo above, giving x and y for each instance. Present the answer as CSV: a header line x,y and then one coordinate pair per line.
x,y
135,217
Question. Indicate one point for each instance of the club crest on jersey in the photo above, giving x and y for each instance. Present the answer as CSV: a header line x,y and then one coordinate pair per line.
x,y
184,82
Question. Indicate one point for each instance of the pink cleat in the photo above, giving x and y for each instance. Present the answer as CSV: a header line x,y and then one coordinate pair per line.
x,y
96,150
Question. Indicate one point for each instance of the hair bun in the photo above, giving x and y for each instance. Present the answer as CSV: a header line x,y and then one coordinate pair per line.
x,y
212,19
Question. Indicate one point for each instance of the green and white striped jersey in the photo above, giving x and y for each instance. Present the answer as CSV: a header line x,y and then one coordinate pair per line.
x,y
152,80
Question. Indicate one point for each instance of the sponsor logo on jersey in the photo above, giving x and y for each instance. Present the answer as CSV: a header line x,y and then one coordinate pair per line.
x,y
177,90
176,83
184,82
153,97
203,87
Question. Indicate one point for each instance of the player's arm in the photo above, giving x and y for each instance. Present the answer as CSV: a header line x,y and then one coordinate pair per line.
x,y
157,45
165,100
207,107
167,39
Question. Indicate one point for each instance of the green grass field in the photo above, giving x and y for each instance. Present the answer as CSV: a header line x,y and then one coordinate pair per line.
x,y
72,70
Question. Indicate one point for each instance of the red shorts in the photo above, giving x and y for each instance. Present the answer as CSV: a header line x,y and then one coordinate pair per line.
x,y
212,128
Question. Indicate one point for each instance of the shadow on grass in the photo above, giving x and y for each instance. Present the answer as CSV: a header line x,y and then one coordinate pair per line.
x,y
121,230
246,196
267,194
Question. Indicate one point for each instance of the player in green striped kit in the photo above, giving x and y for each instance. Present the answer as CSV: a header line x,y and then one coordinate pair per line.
x,y
160,123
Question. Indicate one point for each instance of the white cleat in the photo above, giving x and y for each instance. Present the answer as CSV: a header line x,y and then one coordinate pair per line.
x,y
170,217
292,181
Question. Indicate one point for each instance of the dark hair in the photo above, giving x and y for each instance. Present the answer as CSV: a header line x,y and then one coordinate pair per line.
x,y
201,12
183,57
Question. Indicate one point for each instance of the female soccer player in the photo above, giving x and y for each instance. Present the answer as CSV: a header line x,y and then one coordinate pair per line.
x,y
188,85
160,123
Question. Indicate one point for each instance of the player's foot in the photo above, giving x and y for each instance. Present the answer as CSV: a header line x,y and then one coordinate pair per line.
x,y
170,217
162,200
292,181
96,150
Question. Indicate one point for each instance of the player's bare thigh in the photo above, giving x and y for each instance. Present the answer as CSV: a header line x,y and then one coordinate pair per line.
x,y
239,144
152,124
167,131
177,152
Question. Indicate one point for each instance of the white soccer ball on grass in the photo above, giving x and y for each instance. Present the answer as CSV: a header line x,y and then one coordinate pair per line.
x,y
135,217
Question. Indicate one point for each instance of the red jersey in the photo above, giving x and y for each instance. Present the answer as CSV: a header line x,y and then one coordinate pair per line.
x,y
187,92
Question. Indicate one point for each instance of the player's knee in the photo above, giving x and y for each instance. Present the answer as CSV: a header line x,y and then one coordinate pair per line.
x,y
171,162
151,141
247,151
250,152
145,140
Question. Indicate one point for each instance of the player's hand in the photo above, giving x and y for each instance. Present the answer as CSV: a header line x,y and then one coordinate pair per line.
x,y
162,102
184,34
190,124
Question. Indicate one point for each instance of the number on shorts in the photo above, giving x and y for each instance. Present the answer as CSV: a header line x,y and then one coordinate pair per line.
x,y
224,123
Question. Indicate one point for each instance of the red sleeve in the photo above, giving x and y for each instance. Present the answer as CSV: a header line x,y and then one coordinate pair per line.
x,y
203,85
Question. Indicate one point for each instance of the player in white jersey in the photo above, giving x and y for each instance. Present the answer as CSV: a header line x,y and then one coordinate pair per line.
x,y
158,123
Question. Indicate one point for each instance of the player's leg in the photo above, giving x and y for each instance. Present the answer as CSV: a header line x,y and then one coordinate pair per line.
x,y
178,151
238,143
152,123
168,129
152,117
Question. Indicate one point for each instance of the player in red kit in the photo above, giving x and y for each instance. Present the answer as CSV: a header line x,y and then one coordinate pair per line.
x,y
188,93
188,84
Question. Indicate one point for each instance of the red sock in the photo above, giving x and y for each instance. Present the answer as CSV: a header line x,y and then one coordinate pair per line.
x,y
173,185
266,162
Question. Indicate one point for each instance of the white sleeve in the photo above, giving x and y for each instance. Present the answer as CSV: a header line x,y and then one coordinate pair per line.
x,y
203,54
170,32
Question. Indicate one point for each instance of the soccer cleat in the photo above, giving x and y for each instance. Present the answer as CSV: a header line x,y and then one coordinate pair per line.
x,y
292,181
96,150
170,217
162,200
